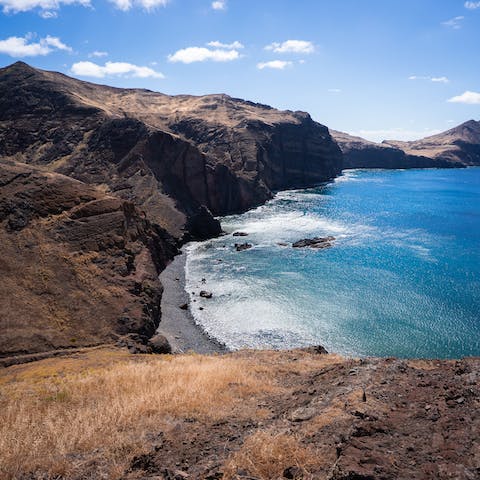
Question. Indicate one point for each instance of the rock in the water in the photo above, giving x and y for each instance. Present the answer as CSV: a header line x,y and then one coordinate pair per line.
x,y
316,242
240,234
205,294
239,247
159,344
184,306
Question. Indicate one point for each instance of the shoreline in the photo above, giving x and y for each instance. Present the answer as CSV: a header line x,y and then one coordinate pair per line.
x,y
177,324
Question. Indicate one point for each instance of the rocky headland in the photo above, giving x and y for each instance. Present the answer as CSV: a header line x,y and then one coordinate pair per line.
x,y
169,162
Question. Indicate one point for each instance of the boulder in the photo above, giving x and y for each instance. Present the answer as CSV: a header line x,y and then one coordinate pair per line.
x,y
159,344
239,247
205,294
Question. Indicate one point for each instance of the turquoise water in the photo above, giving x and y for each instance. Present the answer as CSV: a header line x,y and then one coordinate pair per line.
x,y
403,278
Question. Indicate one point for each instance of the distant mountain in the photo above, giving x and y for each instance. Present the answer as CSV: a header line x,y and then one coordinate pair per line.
x,y
459,145
361,153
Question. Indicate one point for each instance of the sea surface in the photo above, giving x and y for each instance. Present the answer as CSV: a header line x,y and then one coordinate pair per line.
x,y
402,279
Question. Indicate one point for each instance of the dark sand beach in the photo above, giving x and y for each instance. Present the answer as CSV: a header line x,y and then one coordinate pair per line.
x,y
178,325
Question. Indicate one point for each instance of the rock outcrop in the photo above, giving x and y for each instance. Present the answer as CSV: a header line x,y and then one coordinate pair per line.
x,y
361,153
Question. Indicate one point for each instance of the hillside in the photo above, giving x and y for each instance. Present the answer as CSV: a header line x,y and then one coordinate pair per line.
x,y
78,267
245,415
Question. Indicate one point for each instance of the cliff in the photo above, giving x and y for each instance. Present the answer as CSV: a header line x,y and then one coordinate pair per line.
x,y
160,165
361,153
168,154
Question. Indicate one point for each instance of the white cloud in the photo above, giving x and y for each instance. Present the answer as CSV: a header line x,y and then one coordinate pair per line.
x,y
98,54
26,47
47,7
202,54
145,4
455,23
334,90
472,5
219,5
275,64
430,79
235,45
292,46
121,69
48,14
401,134
470,98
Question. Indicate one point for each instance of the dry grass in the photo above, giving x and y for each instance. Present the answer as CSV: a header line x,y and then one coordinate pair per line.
x,y
60,419
265,455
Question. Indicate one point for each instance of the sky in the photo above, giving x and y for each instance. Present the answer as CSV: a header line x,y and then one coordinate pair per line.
x,y
395,69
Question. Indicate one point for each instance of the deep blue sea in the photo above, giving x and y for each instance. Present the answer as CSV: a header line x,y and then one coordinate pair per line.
x,y
402,279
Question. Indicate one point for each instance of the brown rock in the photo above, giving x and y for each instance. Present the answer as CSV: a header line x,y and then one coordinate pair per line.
x,y
159,344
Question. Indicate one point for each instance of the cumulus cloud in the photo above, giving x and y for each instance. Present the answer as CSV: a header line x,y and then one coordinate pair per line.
x,y
47,7
430,79
470,98
455,23
472,5
26,46
292,46
223,52
98,54
145,4
119,69
275,64
219,5
235,45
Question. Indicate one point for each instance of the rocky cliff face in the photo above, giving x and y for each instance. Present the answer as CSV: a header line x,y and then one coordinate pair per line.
x,y
144,170
361,153
169,155
78,267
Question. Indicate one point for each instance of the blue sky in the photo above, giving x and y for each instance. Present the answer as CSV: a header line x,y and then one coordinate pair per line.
x,y
381,69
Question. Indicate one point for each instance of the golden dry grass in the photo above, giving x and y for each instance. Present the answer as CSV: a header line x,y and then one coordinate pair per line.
x,y
265,455
58,415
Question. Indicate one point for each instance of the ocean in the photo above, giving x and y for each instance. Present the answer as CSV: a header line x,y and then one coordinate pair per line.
x,y
401,279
